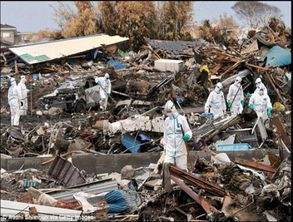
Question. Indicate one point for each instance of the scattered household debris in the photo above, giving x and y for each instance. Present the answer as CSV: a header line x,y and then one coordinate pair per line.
x,y
65,120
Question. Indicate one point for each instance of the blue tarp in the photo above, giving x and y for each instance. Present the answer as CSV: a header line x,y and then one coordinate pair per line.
x,y
233,147
278,56
116,64
130,143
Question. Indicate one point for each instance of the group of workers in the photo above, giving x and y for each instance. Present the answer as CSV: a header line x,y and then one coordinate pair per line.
x,y
259,101
17,99
177,130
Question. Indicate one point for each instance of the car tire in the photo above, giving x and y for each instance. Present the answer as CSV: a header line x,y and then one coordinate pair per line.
x,y
80,106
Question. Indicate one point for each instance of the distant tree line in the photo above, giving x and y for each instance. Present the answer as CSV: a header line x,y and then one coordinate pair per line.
x,y
165,20
134,19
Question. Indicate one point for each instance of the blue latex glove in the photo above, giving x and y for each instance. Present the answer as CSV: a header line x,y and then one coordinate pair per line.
x,y
186,137
242,103
248,95
229,104
251,106
269,112
98,83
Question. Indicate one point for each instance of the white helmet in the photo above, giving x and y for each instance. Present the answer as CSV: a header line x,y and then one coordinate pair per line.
x,y
107,76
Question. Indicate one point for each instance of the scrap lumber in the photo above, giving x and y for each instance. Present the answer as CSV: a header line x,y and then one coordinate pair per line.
x,y
200,200
216,68
258,67
255,165
281,130
212,188
231,68
276,90
224,126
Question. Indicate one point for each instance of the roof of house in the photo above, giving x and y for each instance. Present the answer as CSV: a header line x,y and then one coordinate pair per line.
x,y
46,51
7,26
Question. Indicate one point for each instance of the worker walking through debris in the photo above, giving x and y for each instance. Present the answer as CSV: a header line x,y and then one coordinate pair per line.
x,y
261,103
105,90
259,84
14,102
235,97
175,149
23,96
216,103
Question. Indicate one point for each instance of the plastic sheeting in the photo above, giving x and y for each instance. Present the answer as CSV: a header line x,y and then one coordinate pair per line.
x,y
278,56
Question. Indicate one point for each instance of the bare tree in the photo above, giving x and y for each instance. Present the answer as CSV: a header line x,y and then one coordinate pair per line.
x,y
256,13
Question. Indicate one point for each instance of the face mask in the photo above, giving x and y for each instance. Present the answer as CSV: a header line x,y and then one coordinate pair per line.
x,y
261,93
217,89
168,113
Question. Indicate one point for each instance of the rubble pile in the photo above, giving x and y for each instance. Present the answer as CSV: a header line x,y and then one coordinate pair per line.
x,y
216,190
65,120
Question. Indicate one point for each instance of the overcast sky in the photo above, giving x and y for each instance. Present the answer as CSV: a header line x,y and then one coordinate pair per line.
x,y
30,16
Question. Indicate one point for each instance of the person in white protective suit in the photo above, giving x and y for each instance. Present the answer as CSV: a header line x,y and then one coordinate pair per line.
x,y
14,102
216,103
176,131
261,103
23,96
235,97
259,84
105,90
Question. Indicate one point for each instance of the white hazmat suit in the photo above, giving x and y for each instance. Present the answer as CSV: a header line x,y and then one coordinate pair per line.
x,y
235,97
216,103
105,90
176,131
14,102
23,96
259,84
261,103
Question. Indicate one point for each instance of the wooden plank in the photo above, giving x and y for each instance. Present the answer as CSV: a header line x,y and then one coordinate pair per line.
x,y
277,121
255,165
217,68
258,67
230,69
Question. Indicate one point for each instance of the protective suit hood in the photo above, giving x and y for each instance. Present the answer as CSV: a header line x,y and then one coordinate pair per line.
x,y
22,79
219,87
169,106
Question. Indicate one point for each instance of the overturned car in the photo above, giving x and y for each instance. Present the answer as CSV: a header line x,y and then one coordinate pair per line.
x,y
75,95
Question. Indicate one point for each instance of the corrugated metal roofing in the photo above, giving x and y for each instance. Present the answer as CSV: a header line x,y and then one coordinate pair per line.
x,y
92,188
65,173
46,51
